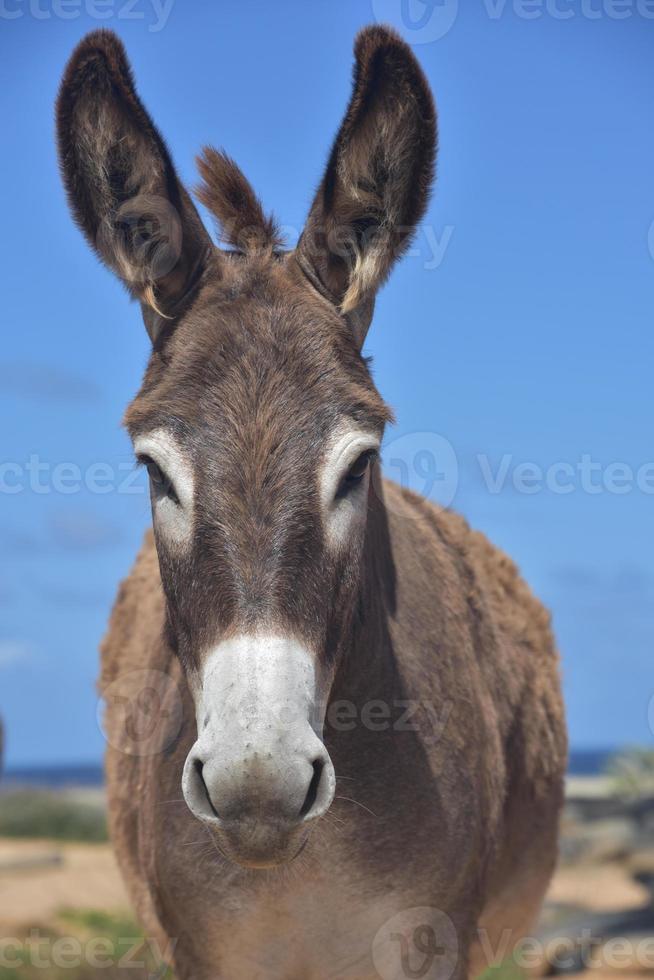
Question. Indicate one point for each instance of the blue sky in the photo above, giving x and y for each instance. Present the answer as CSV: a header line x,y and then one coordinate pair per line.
x,y
518,334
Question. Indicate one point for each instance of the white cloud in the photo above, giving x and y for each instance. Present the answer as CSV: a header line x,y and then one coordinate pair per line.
x,y
13,651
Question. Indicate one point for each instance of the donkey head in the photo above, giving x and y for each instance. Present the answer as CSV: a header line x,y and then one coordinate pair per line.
x,y
257,418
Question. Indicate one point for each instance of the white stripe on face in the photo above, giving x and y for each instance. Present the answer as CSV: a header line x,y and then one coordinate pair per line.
x,y
174,521
343,514
259,677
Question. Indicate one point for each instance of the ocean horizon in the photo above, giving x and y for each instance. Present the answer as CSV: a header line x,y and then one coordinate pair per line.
x,y
582,762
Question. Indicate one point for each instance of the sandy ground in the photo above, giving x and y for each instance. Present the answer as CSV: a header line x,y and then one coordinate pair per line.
x,y
600,888
86,876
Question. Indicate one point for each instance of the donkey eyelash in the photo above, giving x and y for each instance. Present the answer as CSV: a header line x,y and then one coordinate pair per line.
x,y
142,460
352,478
158,477
372,454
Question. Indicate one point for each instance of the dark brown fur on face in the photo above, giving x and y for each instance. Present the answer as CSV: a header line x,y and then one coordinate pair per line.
x,y
227,194
255,361
254,379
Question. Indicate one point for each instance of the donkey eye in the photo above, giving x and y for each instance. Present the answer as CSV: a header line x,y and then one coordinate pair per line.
x,y
160,483
357,471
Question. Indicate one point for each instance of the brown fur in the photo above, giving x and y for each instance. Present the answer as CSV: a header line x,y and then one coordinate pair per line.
x,y
230,198
376,185
121,183
255,362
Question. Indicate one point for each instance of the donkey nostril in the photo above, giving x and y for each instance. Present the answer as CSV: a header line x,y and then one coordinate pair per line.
x,y
312,792
198,766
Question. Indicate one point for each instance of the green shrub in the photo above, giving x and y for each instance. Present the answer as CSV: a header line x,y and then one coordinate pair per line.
x,y
39,813
508,970
632,772
38,955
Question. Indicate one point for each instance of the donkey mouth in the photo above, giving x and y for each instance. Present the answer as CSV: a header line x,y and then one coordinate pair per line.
x,y
259,846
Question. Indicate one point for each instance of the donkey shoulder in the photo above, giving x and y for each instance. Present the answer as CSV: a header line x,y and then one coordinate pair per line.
x,y
433,537
136,618
473,585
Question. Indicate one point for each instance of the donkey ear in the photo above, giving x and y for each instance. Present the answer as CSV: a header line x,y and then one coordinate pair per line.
x,y
378,178
121,182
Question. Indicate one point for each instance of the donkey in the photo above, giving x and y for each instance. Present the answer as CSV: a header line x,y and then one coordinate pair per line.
x,y
358,694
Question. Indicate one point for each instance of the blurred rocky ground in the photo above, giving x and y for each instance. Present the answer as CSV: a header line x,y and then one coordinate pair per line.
x,y
599,914
57,874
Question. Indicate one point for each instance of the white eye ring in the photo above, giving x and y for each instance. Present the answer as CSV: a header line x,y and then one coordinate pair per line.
x,y
353,479
173,518
160,482
342,511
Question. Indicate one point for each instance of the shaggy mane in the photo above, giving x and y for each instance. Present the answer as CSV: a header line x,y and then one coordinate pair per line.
x,y
227,193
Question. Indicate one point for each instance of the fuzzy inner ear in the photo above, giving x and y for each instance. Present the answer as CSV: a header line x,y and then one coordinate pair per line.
x,y
121,183
378,178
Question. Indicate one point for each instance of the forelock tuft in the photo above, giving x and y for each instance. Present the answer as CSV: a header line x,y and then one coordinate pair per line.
x,y
227,193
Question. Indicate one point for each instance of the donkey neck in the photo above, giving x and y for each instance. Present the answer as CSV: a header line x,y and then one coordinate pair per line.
x,y
368,667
